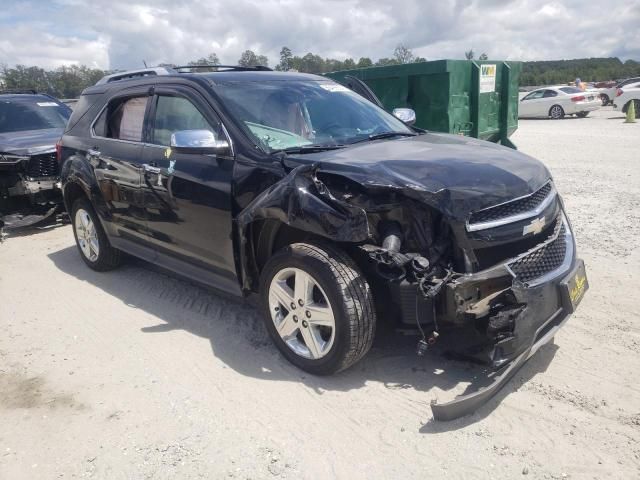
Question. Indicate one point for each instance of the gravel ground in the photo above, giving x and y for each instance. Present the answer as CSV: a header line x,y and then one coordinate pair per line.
x,y
137,374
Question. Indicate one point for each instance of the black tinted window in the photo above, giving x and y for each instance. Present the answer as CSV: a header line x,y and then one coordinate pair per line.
x,y
122,119
174,114
550,93
570,90
19,114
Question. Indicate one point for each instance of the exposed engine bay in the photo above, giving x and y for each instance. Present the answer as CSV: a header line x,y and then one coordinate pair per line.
x,y
29,187
496,278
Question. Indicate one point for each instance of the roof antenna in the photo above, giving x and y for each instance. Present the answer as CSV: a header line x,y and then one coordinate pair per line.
x,y
145,64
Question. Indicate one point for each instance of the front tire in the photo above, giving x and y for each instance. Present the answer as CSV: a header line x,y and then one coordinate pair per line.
x,y
92,241
317,307
556,112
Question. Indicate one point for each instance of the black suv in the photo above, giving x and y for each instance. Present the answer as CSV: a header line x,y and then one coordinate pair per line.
x,y
30,125
333,211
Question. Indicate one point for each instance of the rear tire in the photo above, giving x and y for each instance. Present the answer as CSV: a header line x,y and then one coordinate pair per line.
x,y
333,326
92,241
604,98
556,112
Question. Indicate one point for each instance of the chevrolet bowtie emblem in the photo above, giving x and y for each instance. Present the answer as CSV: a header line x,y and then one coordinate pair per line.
x,y
535,226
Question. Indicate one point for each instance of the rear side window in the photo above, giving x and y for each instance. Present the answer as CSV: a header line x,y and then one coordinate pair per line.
x,y
570,90
123,119
550,93
174,114
30,112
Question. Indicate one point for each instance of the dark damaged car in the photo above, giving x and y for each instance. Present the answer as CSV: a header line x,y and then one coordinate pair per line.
x,y
30,125
333,212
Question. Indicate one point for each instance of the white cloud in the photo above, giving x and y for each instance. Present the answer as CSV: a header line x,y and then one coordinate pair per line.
x,y
123,33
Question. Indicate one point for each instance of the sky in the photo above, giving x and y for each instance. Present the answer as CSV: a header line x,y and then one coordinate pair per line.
x,y
119,34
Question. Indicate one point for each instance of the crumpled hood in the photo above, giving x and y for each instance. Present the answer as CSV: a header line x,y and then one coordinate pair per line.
x,y
455,174
29,142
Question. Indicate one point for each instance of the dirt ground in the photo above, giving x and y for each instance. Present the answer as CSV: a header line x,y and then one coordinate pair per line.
x,y
138,374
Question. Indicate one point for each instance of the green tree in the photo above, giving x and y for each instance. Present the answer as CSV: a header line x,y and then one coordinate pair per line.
x,y
250,59
364,62
211,59
383,62
403,54
285,59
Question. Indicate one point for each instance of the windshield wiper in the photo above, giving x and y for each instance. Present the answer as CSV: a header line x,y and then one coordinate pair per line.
x,y
380,136
309,148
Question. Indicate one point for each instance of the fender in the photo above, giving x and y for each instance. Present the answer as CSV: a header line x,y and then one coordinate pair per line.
x,y
299,200
77,173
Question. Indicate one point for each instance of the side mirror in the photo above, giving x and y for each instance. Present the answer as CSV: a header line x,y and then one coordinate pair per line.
x,y
406,115
197,141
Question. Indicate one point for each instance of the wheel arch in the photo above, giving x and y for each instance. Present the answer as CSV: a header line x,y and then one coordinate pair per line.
x,y
267,236
71,192
297,208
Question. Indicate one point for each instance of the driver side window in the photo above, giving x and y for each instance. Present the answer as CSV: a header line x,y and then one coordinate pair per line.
x,y
174,114
534,95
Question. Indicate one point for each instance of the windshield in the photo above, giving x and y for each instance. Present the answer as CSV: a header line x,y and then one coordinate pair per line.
x,y
289,114
32,113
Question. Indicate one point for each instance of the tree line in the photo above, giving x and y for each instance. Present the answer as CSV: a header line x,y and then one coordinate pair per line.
x,y
69,81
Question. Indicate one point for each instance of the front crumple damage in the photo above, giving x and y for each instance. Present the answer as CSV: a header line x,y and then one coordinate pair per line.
x,y
409,239
29,186
300,200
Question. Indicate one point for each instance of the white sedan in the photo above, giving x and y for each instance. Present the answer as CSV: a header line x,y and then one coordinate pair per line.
x,y
556,102
624,97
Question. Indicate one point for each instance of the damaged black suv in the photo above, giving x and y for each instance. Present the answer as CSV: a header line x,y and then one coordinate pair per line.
x,y
30,125
333,211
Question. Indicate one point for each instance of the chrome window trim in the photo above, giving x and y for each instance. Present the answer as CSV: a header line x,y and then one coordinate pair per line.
x,y
93,133
473,227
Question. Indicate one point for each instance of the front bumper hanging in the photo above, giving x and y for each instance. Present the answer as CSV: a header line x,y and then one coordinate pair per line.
x,y
570,289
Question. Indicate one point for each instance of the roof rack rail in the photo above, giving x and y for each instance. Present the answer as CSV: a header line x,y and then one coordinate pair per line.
x,y
29,91
236,68
129,74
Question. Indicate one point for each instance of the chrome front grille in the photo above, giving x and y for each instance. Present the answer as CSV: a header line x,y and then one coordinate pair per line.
x,y
514,210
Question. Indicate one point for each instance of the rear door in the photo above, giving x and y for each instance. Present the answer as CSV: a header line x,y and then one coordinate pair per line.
x,y
115,153
187,196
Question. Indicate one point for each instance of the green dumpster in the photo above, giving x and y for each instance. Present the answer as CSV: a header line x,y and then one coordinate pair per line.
x,y
474,98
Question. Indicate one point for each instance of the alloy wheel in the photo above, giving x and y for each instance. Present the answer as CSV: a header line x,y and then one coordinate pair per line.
x,y
87,235
301,313
556,112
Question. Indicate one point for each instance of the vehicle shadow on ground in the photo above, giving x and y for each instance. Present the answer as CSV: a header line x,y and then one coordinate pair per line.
x,y
239,339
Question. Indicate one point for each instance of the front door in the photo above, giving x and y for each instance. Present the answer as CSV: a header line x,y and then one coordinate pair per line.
x,y
115,153
187,196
